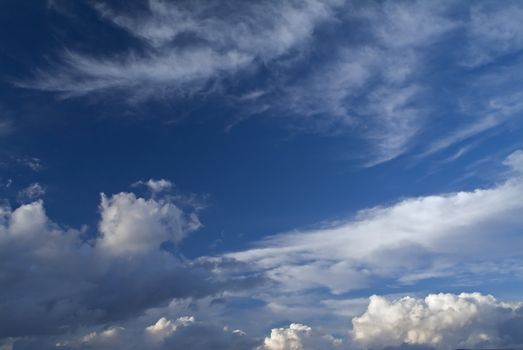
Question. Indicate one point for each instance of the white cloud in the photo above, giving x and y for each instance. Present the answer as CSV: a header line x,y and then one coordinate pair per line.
x,y
164,327
414,239
375,88
515,161
487,115
443,321
299,337
131,225
227,37
106,337
156,186
376,84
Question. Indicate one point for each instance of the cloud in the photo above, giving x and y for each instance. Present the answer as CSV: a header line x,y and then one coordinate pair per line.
x,y
156,186
515,161
136,225
55,281
33,163
415,239
442,321
106,339
182,333
164,327
201,336
371,76
297,337
492,107
31,193
494,31
374,87
225,38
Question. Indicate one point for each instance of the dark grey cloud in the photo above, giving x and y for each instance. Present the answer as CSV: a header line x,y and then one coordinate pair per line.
x,y
54,282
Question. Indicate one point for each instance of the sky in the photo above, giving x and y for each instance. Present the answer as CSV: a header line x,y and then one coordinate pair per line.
x,y
266,175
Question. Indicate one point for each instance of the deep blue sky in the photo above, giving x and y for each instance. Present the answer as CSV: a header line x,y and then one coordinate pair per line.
x,y
321,118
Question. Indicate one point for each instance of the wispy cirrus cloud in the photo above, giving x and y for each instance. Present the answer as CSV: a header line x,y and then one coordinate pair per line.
x,y
494,31
383,73
224,38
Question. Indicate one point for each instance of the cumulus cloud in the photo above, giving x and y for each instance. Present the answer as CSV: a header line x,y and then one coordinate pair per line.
x,y
54,281
299,337
442,321
415,239
438,321
164,327
136,225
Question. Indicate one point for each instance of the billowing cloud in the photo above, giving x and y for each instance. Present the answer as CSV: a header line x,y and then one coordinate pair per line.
x,y
54,280
443,321
164,327
299,337
137,225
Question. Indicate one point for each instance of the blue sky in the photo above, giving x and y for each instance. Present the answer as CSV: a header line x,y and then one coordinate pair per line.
x,y
260,175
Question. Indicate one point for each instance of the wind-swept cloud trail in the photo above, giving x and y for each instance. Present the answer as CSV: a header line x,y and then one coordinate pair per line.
x,y
412,240
375,84
226,38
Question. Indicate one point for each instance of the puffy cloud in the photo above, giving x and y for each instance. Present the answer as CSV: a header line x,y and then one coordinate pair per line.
x,y
54,281
299,337
443,321
137,225
415,239
164,327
